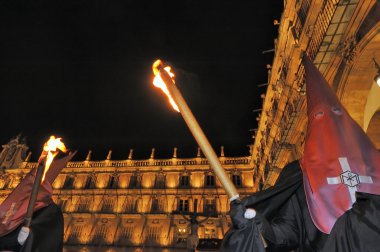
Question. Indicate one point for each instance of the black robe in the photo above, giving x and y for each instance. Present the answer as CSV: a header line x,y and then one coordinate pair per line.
x,y
46,233
283,220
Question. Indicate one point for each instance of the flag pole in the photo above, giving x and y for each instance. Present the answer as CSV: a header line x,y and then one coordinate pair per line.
x,y
199,136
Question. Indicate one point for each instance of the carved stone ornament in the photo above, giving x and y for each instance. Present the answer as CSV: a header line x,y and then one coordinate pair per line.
x,y
347,49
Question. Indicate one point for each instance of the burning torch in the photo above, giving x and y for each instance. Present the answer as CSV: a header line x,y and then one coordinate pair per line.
x,y
50,150
164,80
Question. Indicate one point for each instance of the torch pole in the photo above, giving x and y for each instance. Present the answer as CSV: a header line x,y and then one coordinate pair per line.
x,y
34,193
25,229
199,136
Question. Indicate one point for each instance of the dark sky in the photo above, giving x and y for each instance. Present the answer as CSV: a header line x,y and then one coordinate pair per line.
x,y
82,70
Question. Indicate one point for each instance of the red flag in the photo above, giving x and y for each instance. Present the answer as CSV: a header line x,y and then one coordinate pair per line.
x,y
14,207
339,158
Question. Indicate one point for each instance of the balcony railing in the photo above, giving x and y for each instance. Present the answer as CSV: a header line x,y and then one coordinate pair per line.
x,y
150,163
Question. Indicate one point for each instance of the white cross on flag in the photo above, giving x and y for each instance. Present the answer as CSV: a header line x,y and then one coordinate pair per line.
x,y
339,159
348,178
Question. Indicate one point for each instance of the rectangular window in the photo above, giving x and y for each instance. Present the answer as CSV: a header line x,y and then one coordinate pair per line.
x,y
90,183
129,207
183,206
107,206
160,182
155,206
210,207
75,233
113,182
135,182
62,204
184,181
100,237
138,205
69,182
126,235
153,234
236,179
83,205
210,180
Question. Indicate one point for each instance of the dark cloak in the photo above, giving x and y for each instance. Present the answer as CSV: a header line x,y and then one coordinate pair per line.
x,y
283,219
46,233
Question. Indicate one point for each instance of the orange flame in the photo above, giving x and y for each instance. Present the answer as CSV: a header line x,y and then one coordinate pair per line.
x,y
159,83
50,150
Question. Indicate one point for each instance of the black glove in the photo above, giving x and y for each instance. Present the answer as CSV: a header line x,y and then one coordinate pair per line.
x,y
245,235
237,210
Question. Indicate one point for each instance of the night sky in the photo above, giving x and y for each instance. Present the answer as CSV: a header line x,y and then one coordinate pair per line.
x,y
81,70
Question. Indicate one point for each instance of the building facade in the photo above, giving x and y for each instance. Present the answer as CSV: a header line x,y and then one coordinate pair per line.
x,y
342,37
135,205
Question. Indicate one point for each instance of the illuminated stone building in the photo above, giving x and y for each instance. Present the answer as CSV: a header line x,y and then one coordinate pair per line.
x,y
130,205
342,37
134,205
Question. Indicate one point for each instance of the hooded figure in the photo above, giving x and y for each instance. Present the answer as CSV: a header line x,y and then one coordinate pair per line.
x,y
47,222
339,159
329,201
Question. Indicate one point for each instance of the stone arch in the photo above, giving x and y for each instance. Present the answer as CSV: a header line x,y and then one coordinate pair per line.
x,y
357,84
372,106
373,129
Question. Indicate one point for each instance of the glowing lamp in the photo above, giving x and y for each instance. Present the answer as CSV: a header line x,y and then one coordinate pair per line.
x,y
377,77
